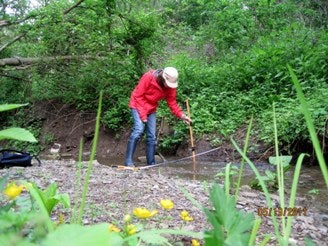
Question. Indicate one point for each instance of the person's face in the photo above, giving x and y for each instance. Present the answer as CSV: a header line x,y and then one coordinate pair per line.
x,y
162,80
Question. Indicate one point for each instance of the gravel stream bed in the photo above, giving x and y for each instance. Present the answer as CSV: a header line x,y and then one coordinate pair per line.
x,y
114,193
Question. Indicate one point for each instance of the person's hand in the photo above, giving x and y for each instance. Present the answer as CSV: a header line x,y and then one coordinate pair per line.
x,y
186,119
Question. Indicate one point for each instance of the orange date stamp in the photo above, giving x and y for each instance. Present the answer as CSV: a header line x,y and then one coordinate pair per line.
x,y
294,211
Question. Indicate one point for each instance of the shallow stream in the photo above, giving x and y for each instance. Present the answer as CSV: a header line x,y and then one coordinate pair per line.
x,y
311,184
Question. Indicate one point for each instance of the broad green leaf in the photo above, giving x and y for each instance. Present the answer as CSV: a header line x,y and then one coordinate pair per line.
x,y
141,234
19,134
229,224
243,222
5,208
50,191
151,238
310,125
64,199
78,235
24,203
50,197
35,194
10,219
6,107
237,240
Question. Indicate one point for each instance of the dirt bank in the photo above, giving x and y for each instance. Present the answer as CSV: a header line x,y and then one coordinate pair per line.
x,y
64,125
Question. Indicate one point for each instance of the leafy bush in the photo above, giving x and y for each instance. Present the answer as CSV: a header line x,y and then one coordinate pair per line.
x,y
230,226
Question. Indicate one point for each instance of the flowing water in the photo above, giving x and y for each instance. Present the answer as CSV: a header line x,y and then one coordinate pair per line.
x,y
311,184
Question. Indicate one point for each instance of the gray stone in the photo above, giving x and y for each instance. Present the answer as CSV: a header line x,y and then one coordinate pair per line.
x,y
55,149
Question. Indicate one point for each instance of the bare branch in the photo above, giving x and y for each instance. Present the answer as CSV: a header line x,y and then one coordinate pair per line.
x,y
12,41
14,77
18,68
72,7
31,60
4,23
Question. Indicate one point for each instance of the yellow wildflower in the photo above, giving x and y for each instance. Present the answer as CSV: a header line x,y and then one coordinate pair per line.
x,y
194,242
185,216
113,228
131,229
12,190
143,213
167,204
61,218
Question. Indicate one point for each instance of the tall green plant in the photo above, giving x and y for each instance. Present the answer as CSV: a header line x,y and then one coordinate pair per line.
x,y
49,197
243,161
293,196
46,200
310,125
280,170
283,236
263,186
78,183
92,156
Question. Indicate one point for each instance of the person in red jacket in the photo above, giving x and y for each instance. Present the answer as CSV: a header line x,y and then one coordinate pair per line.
x,y
154,85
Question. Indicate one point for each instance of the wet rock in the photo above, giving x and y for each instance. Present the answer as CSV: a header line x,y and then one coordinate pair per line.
x,y
249,194
323,230
52,156
66,155
324,217
55,149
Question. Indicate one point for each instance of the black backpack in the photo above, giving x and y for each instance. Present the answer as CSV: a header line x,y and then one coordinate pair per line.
x,y
12,157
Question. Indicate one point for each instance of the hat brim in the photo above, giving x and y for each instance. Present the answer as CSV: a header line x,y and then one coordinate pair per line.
x,y
171,84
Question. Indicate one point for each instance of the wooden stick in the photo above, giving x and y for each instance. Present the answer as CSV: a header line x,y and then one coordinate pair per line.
x,y
191,135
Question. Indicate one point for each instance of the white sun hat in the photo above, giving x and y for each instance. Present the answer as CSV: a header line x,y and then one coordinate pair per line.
x,y
170,74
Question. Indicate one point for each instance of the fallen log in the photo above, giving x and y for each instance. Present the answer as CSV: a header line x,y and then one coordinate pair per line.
x,y
18,61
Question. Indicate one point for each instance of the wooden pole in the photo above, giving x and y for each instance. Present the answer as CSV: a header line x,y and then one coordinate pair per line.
x,y
191,135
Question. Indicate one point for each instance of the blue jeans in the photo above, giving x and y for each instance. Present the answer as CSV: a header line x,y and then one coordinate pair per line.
x,y
137,131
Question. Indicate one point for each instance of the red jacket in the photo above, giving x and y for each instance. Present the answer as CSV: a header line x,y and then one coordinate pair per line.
x,y
148,93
